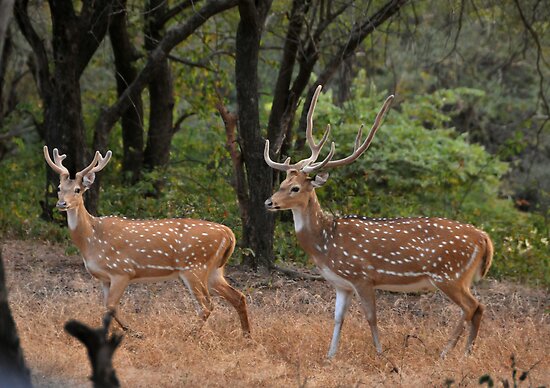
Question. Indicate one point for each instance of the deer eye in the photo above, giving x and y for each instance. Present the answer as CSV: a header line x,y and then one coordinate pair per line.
x,y
295,189
77,190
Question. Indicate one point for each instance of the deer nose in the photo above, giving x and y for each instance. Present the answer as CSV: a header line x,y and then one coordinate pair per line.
x,y
61,204
270,205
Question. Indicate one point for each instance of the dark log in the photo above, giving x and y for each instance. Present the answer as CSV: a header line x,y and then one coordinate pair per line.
x,y
100,348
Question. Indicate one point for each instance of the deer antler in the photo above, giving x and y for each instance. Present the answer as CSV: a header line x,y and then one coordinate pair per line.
x,y
309,165
315,148
359,149
57,166
97,164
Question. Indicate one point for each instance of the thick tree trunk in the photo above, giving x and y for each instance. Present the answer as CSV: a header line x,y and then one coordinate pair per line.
x,y
13,372
259,226
63,125
132,119
161,93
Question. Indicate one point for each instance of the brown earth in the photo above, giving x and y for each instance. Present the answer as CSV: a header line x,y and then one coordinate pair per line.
x,y
292,326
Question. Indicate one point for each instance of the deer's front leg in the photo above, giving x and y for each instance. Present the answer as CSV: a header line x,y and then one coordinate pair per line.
x,y
343,299
112,297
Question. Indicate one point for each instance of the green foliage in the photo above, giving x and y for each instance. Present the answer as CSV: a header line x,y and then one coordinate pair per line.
x,y
21,183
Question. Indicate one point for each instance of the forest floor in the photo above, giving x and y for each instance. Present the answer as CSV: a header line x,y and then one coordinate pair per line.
x,y
292,326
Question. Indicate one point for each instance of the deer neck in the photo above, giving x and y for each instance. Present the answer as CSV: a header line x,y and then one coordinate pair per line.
x,y
81,226
312,226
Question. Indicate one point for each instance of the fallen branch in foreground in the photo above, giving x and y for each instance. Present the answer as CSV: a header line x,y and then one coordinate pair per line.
x,y
100,348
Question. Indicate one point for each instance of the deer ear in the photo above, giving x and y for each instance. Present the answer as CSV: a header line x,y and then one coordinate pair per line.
x,y
88,180
320,179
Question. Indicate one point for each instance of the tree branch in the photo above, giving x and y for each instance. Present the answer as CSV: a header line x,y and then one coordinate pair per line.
x,y
42,75
230,121
174,11
293,274
100,348
175,35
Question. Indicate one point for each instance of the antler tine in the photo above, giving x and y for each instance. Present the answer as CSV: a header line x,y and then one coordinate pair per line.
x,y
277,166
315,148
358,138
314,167
363,147
98,163
57,163
103,160
309,126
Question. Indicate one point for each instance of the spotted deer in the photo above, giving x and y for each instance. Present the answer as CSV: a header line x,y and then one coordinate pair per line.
x,y
360,254
119,251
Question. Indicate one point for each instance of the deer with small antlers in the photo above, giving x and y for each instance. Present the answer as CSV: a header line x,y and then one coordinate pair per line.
x,y
119,251
360,254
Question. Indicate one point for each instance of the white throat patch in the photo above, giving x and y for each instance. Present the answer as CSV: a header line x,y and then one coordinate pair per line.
x,y
299,221
72,218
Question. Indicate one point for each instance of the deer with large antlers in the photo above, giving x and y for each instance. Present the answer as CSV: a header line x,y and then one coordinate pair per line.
x,y
119,251
359,254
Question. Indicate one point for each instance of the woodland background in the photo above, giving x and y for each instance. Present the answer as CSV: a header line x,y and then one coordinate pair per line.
x,y
185,94
467,138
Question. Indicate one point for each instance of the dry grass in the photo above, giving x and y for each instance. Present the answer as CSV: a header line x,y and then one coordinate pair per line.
x,y
292,326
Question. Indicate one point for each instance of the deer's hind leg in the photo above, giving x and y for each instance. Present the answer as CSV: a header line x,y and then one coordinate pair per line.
x,y
218,283
196,283
472,312
367,296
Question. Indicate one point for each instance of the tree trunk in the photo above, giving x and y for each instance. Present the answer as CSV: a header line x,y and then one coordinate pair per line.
x,y
132,119
63,124
259,226
161,92
13,371
283,99
343,82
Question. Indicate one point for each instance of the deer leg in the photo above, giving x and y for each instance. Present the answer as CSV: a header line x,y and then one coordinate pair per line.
x,y
343,299
112,298
233,296
367,295
469,305
198,290
105,287
474,327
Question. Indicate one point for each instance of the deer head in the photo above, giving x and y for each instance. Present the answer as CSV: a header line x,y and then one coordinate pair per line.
x,y
71,190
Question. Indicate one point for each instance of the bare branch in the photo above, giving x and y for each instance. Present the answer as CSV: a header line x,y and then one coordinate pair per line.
x,y
100,349
173,36
42,75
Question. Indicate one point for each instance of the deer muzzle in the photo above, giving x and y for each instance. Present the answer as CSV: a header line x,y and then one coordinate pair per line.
x,y
61,205
270,205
